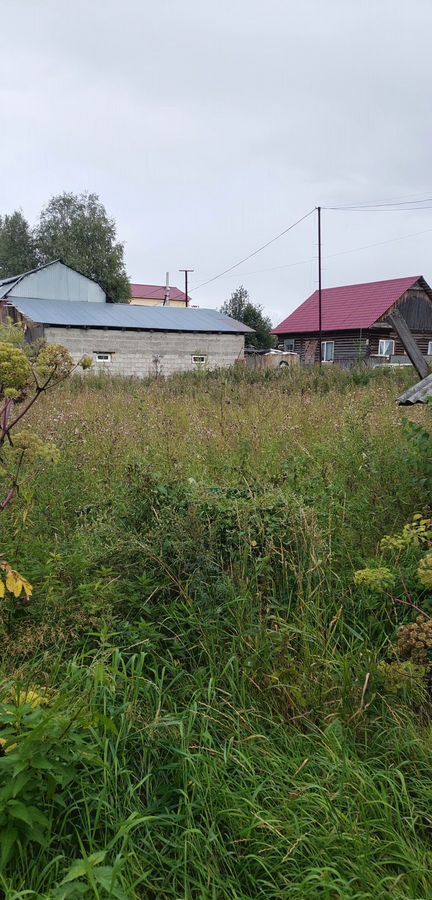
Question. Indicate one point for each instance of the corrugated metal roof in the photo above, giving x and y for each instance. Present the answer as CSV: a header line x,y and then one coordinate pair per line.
x,y
81,314
6,285
418,393
351,306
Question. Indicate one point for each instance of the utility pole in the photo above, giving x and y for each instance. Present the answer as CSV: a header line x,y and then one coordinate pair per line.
x,y
167,290
319,286
186,281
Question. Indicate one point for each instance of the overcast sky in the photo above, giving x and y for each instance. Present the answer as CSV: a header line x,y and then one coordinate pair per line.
x,y
207,128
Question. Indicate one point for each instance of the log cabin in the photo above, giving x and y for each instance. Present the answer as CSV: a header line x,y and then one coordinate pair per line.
x,y
355,324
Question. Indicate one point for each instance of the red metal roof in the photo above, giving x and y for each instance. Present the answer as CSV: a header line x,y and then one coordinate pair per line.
x,y
342,308
155,291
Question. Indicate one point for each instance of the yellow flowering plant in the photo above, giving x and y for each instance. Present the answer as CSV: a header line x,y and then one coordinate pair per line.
x,y
22,381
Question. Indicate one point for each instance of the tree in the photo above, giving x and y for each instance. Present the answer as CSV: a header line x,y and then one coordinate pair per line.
x,y
240,307
76,229
17,246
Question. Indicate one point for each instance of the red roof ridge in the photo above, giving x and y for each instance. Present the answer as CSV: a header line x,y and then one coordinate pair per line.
x,y
339,287
349,306
141,289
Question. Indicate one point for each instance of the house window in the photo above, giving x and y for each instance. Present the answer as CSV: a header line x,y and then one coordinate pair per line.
x,y
386,347
199,360
103,357
289,345
327,351
429,353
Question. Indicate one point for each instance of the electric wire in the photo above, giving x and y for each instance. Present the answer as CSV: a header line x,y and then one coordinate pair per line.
x,y
254,252
311,259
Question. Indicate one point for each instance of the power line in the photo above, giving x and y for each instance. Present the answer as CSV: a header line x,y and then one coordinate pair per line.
x,y
254,252
404,206
303,262
367,203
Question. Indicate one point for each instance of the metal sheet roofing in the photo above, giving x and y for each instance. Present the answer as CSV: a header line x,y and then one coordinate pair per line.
x,y
81,314
7,284
154,292
351,306
418,393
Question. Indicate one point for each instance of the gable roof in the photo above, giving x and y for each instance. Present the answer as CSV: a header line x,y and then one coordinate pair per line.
x,y
8,284
351,306
155,291
82,314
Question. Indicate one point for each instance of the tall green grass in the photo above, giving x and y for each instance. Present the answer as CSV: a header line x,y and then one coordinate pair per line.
x,y
218,722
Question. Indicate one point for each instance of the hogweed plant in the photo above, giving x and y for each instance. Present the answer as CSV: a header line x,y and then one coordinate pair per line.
x,y
23,380
410,553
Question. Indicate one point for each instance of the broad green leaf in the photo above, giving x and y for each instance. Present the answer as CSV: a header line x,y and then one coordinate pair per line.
x,y
80,868
19,811
8,839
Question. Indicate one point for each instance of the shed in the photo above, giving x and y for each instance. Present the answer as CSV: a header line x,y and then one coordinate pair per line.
x,y
134,340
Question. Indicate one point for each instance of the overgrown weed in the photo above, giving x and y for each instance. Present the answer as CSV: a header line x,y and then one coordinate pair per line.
x,y
221,684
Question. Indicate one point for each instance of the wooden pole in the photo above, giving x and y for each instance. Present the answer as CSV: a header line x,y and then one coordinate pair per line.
x,y
186,271
319,286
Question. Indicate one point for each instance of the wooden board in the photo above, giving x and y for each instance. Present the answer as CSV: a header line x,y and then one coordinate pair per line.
x,y
401,328
310,352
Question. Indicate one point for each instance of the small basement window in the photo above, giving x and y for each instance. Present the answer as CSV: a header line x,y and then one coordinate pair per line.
x,y
327,351
289,345
199,360
386,347
103,357
429,353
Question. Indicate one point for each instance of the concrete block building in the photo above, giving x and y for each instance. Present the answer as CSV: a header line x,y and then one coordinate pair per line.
x,y
61,306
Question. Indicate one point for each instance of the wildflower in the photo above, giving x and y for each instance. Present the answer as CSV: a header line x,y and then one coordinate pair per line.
x,y
54,360
377,580
424,571
415,640
31,697
5,747
415,533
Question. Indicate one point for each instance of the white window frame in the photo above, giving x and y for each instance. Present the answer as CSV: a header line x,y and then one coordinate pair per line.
x,y
382,344
199,359
102,356
429,352
324,345
290,341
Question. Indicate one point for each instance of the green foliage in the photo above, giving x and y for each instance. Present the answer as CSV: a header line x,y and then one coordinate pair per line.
x,y
12,333
232,709
15,370
17,246
42,749
240,307
379,579
425,571
76,229
54,360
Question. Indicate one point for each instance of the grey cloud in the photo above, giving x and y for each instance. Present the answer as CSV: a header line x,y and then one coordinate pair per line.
x,y
207,128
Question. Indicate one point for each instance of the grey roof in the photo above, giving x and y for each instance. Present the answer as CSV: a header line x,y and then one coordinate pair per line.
x,y
81,314
418,393
6,284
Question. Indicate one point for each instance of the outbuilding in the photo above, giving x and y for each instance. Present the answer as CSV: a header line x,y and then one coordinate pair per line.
x,y
121,338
